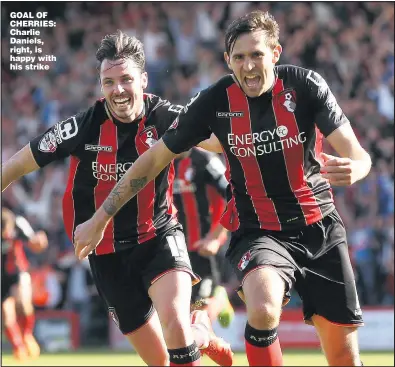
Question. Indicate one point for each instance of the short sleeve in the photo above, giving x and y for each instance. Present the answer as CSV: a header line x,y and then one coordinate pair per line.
x,y
192,125
60,140
328,114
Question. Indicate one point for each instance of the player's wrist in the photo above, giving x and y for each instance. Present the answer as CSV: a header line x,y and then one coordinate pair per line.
x,y
100,219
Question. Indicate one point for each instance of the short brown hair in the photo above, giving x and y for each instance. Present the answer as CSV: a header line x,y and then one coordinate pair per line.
x,y
118,46
254,21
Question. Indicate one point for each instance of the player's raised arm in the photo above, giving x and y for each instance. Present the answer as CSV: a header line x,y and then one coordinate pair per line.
x,y
144,170
20,164
212,144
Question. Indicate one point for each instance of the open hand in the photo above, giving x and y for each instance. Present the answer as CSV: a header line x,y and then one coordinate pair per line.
x,y
338,171
86,237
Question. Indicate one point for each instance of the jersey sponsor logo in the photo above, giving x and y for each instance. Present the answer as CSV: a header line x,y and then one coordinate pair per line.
x,y
287,100
48,143
66,129
98,148
227,115
113,315
264,142
149,136
244,261
109,171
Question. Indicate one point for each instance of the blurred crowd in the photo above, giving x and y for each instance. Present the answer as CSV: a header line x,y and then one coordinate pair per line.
x,y
350,43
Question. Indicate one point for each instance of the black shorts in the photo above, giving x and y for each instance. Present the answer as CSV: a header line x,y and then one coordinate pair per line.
x,y
123,278
314,258
7,281
207,268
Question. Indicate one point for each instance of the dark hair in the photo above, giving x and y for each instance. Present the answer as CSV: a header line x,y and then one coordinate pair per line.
x,y
118,46
254,21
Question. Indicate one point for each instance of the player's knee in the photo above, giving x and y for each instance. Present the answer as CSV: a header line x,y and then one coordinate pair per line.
x,y
8,308
263,315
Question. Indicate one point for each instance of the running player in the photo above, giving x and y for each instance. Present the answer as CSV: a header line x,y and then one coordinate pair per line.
x,y
269,121
17,304
199,191
144,284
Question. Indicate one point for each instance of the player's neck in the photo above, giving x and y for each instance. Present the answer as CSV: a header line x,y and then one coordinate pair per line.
x,y
133,118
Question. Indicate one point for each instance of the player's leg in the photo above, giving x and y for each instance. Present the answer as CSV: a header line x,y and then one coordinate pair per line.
x,y
171,295
330,298
168,280
148,338
339,343
265,270
129,306
208,295
11,327
26,315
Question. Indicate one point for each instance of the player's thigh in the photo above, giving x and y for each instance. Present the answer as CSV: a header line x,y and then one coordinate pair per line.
x,y
339,342
264,267
122,290
169,277
207,269
149,343
8,310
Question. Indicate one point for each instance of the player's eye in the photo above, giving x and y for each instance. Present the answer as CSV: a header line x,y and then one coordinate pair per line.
x,y
257,54
108,83
237,57
127,79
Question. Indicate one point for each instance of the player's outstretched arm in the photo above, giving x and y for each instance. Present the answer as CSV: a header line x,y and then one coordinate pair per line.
x,y
354,162
20,164
88,234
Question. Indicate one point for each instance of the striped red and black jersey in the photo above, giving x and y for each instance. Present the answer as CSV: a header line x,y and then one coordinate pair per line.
x,y
271,145
199,193
13,256
102,149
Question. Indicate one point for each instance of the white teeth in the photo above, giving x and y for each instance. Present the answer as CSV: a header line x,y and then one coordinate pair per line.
x,y
251,76
121,100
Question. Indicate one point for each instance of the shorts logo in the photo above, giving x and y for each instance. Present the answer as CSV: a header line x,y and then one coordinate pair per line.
x,y
48,143
244,261
113,314
149,136
98,148
227,115
287,100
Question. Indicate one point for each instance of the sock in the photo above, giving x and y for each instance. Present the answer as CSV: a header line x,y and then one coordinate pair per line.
x,y
26,323
188,356
262,347
14,335
201,335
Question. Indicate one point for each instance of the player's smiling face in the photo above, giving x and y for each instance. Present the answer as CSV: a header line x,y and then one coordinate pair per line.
x,y
252,62
123,84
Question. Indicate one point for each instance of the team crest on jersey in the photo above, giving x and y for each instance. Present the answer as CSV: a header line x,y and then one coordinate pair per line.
x,y
287,100
149,136
48,143
244,261
113,314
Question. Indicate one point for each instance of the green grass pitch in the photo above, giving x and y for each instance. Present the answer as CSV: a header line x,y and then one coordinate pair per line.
x,y
110,358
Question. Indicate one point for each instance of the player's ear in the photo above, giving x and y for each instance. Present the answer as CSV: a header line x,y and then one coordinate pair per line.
x,y
227,60
144,80
276,53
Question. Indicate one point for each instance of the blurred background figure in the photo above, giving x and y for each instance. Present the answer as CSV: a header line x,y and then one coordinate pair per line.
x,y
351,44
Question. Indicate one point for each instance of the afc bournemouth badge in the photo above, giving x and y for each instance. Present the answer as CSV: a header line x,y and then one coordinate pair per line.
x,y
149,136
244,261
287,100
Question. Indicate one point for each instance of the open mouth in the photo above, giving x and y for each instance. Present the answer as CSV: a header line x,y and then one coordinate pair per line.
x,y
121,102
252,81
